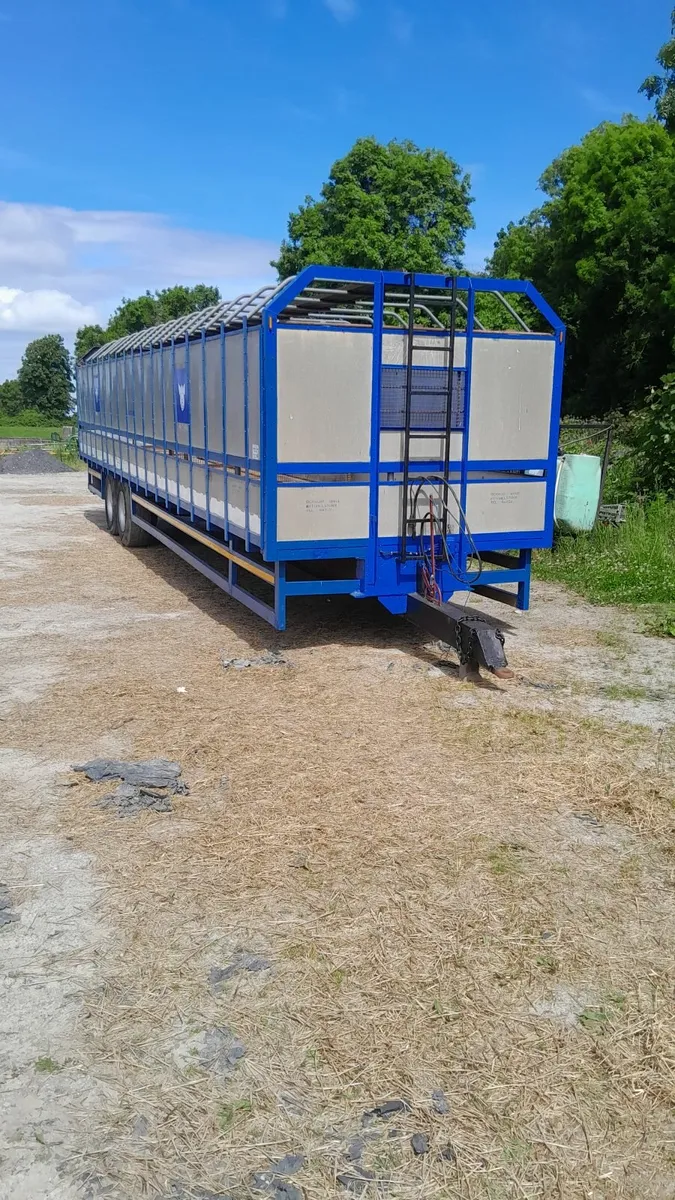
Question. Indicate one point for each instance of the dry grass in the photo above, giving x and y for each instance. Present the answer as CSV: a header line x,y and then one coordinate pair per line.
x,y
405,851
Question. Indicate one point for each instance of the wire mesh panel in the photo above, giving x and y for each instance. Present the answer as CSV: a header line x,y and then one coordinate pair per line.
x,y
429,397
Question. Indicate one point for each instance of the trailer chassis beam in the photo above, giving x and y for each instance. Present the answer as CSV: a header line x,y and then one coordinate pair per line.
x,y
477,642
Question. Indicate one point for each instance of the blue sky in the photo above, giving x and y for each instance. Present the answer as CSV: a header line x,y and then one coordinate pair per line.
x,y
147,142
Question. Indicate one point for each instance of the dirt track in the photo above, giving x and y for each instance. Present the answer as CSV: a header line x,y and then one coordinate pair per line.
x,y
454,888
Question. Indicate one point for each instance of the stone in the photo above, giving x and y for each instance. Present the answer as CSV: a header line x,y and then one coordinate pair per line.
x,y
151,772
440,1103
241,962
419,1143
357,1182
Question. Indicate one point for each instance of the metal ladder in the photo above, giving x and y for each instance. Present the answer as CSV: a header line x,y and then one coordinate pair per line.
x,y
409,521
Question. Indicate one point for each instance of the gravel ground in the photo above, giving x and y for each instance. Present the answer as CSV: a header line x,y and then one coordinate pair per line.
x,y
32,462
384,887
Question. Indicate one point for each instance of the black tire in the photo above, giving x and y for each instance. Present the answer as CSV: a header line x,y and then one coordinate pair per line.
x,y
131,534
110,504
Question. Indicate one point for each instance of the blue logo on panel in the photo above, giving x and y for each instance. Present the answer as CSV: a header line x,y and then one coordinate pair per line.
x,y
181,395
97,390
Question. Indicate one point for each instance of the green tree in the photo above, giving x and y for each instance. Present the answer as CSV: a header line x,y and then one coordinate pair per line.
x,y
661,88
152,308
45,377
388,206
11,400
601,249
87,338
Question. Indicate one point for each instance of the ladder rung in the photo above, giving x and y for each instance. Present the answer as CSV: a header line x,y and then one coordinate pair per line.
x,y
432,431
430,391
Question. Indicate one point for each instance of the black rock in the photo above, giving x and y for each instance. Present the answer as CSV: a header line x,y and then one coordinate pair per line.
x,y
419,1143
272,1181
354,1150
385,1110
448,1154
151,772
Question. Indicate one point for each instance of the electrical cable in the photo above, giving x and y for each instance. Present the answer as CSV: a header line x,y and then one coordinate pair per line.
x,y
437,483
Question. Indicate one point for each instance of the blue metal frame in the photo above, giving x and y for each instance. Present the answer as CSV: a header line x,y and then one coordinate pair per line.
x,y
379,573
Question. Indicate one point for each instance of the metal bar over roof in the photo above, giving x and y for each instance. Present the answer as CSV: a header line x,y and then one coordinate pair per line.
x,y
348,302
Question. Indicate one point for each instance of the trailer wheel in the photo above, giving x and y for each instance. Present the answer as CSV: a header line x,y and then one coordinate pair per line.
x,y
110,504
130,533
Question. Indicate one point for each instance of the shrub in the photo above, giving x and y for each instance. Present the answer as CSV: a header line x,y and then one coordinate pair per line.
x,y
29,416
654,439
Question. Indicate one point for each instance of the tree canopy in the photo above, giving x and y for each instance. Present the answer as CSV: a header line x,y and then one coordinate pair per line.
x,y
45,377
152,308
389,207
602,250
11,400
661,88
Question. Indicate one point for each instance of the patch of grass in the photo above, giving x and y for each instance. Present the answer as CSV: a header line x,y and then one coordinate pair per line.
x,y
548,963
594,1018
506,858
36,432
661,623
228,1113
46,1065
633,563
613,641
626,691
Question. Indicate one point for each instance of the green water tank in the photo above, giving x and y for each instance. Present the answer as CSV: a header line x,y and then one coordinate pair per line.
x,y
577,491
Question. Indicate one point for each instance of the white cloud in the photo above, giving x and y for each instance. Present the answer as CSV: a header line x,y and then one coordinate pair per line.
x,y
342,10
61,267
42,311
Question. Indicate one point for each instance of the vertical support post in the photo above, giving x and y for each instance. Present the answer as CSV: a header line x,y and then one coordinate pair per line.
x,y
175,422
187,379
269,417
554,433
375,405
223,385
152,410
162,396
407,419
280,595
115,382
448,404
247,518
464,469
133,412
205,401
141,381
524,562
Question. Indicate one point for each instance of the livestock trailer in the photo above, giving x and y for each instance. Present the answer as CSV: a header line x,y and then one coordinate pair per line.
x,y
371,433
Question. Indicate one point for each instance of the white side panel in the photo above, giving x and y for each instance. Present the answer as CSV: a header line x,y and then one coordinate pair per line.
x,y
324,396
511,397
319,514
505,507
253,362
234,392
423,449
